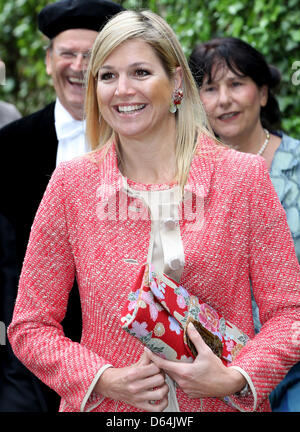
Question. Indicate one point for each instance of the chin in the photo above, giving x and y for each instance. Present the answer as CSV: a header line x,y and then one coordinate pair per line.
x,y
76,102
75,95
227,135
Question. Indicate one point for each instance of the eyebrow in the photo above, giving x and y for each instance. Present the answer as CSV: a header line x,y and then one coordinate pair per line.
x,y
236,77
65,48
231,78
136,64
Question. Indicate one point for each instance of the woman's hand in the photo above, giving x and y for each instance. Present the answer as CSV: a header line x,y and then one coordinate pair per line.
x,y
141,385
207,376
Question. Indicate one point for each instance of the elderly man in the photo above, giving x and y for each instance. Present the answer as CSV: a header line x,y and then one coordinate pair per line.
x,y
31,147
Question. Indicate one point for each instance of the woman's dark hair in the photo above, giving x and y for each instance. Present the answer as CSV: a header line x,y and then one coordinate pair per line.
x,y
243,60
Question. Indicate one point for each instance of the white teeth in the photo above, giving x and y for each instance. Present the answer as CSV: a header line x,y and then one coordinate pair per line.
x,y
76,80
226,116
130,108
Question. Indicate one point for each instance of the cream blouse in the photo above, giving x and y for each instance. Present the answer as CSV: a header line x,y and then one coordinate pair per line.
x,y
166,252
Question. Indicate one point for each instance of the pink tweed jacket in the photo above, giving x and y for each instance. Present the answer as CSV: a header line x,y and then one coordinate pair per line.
x,y
80,230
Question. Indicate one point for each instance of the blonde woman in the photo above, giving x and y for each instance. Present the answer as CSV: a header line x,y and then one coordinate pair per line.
x,y
101,219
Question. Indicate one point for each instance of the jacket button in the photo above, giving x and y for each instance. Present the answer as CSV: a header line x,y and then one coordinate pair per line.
x,y
176,263
170,223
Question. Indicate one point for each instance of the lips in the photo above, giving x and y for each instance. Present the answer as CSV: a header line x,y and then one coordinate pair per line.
x,y
228,116
76,81
130,109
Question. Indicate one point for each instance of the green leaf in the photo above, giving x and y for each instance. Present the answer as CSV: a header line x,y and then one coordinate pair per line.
x,y
295,35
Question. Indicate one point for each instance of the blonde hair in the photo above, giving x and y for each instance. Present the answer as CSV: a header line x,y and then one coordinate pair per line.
x,y
152,29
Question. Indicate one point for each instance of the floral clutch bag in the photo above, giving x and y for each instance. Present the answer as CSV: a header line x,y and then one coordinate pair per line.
x,y
158,310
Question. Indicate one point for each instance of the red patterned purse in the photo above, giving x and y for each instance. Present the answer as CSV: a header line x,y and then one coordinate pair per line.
x,y
158,311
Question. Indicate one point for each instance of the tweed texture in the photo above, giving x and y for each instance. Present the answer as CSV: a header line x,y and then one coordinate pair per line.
x,y
244,235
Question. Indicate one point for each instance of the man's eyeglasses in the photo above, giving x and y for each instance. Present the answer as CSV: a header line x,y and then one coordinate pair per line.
x,y
72,55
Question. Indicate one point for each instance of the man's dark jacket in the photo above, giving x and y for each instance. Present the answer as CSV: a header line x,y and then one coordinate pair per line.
x,y
28,159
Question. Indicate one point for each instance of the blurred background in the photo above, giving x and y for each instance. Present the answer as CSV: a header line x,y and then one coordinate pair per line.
x,y
270,26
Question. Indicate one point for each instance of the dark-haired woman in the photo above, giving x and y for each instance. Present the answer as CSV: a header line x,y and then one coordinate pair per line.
x,y
235,84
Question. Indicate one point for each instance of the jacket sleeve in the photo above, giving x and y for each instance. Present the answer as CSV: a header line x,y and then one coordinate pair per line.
x,y
275,277
36,333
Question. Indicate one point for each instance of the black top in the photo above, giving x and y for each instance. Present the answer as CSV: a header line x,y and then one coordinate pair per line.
x,y
28,159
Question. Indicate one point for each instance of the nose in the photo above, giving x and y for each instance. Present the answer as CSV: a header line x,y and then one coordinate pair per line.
x,y
224,96
79,63
124,87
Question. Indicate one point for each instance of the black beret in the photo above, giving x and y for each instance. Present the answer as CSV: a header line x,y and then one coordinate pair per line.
x,y
71,14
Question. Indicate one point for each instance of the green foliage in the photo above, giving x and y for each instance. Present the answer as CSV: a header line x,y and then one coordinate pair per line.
x,y
22,50
272,27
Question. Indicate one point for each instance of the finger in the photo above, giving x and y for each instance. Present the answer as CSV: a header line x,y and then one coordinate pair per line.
x,y
154,400
154,395
144,359
155,381
157,394
147,371
155,406
140,372
146,368
196,338
168,366
147,353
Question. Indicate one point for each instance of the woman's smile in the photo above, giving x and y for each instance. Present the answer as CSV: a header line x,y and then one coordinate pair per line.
x,y
130,109
134,91
227,117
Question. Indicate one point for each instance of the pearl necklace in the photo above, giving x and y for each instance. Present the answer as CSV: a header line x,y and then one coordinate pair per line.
x,y
263,147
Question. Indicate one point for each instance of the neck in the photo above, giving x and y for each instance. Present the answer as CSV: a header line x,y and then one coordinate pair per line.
x,y
75,112
149,161
249,142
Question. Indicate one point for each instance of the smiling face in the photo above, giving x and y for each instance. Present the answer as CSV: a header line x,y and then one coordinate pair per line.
x,y
134,91
232,104
67,71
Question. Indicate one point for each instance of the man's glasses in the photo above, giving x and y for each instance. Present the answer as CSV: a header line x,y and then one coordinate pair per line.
x,y
72,55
